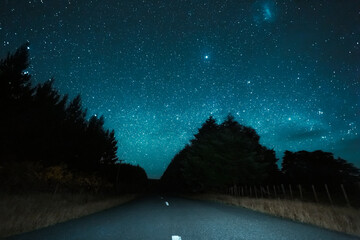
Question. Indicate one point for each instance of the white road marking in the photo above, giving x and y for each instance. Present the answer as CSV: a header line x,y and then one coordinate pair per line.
x,y
175,237
167,204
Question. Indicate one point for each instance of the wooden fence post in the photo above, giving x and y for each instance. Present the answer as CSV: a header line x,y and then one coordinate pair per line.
x,y
301,196
268,192
328,193
250,192
283,189
261,191
316,198
345,195
274,190
290,191
242,191
255,190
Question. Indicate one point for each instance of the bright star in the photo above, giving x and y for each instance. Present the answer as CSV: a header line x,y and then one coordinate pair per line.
x,y
207,56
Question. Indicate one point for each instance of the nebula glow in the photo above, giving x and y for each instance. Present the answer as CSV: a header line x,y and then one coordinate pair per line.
x,y
267,15
264,11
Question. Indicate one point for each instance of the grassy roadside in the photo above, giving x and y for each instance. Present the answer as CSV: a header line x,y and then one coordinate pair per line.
x,y
336,218
26,212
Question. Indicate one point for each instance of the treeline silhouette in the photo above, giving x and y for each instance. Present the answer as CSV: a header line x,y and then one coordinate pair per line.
x,y
47,141
229,154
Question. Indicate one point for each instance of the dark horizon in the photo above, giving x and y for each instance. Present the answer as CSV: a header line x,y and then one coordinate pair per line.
x,y
158,70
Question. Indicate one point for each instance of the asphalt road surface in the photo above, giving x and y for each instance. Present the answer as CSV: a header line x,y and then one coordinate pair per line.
x,y
173,218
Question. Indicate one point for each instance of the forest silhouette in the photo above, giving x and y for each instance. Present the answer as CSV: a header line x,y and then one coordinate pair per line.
x,y
47,142
229,154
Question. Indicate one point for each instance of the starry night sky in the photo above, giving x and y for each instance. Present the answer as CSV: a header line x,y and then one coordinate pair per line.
x,y
157,69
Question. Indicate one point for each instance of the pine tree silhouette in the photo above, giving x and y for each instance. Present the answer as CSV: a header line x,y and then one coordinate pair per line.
x,y
220,156
40,127
14,79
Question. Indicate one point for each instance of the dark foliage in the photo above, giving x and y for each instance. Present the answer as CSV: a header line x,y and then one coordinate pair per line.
x,y
229,154
14,80
317,167
220,156
39,126
130,178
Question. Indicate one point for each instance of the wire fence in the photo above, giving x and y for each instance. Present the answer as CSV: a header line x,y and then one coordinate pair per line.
x,y
333,194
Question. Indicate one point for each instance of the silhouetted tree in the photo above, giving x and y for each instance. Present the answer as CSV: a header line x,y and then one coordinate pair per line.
x,y
317,167
45,119
41,130
109,156
101,144
130,178
173,178
75,113
271,171
220,156
14,79
15,99
209,127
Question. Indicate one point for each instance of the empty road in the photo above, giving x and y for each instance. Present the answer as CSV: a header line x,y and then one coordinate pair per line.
x,y
167,218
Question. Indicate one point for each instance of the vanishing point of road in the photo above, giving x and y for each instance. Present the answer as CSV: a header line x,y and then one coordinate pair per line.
x,y
173,218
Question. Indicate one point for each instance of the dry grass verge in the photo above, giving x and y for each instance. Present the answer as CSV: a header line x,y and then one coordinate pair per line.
x,y
23,213
336,218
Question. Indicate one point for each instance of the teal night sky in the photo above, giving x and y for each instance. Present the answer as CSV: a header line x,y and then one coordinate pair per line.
x,y
157,69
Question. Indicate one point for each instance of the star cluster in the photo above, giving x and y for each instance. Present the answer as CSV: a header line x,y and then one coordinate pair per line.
x,y
157,69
